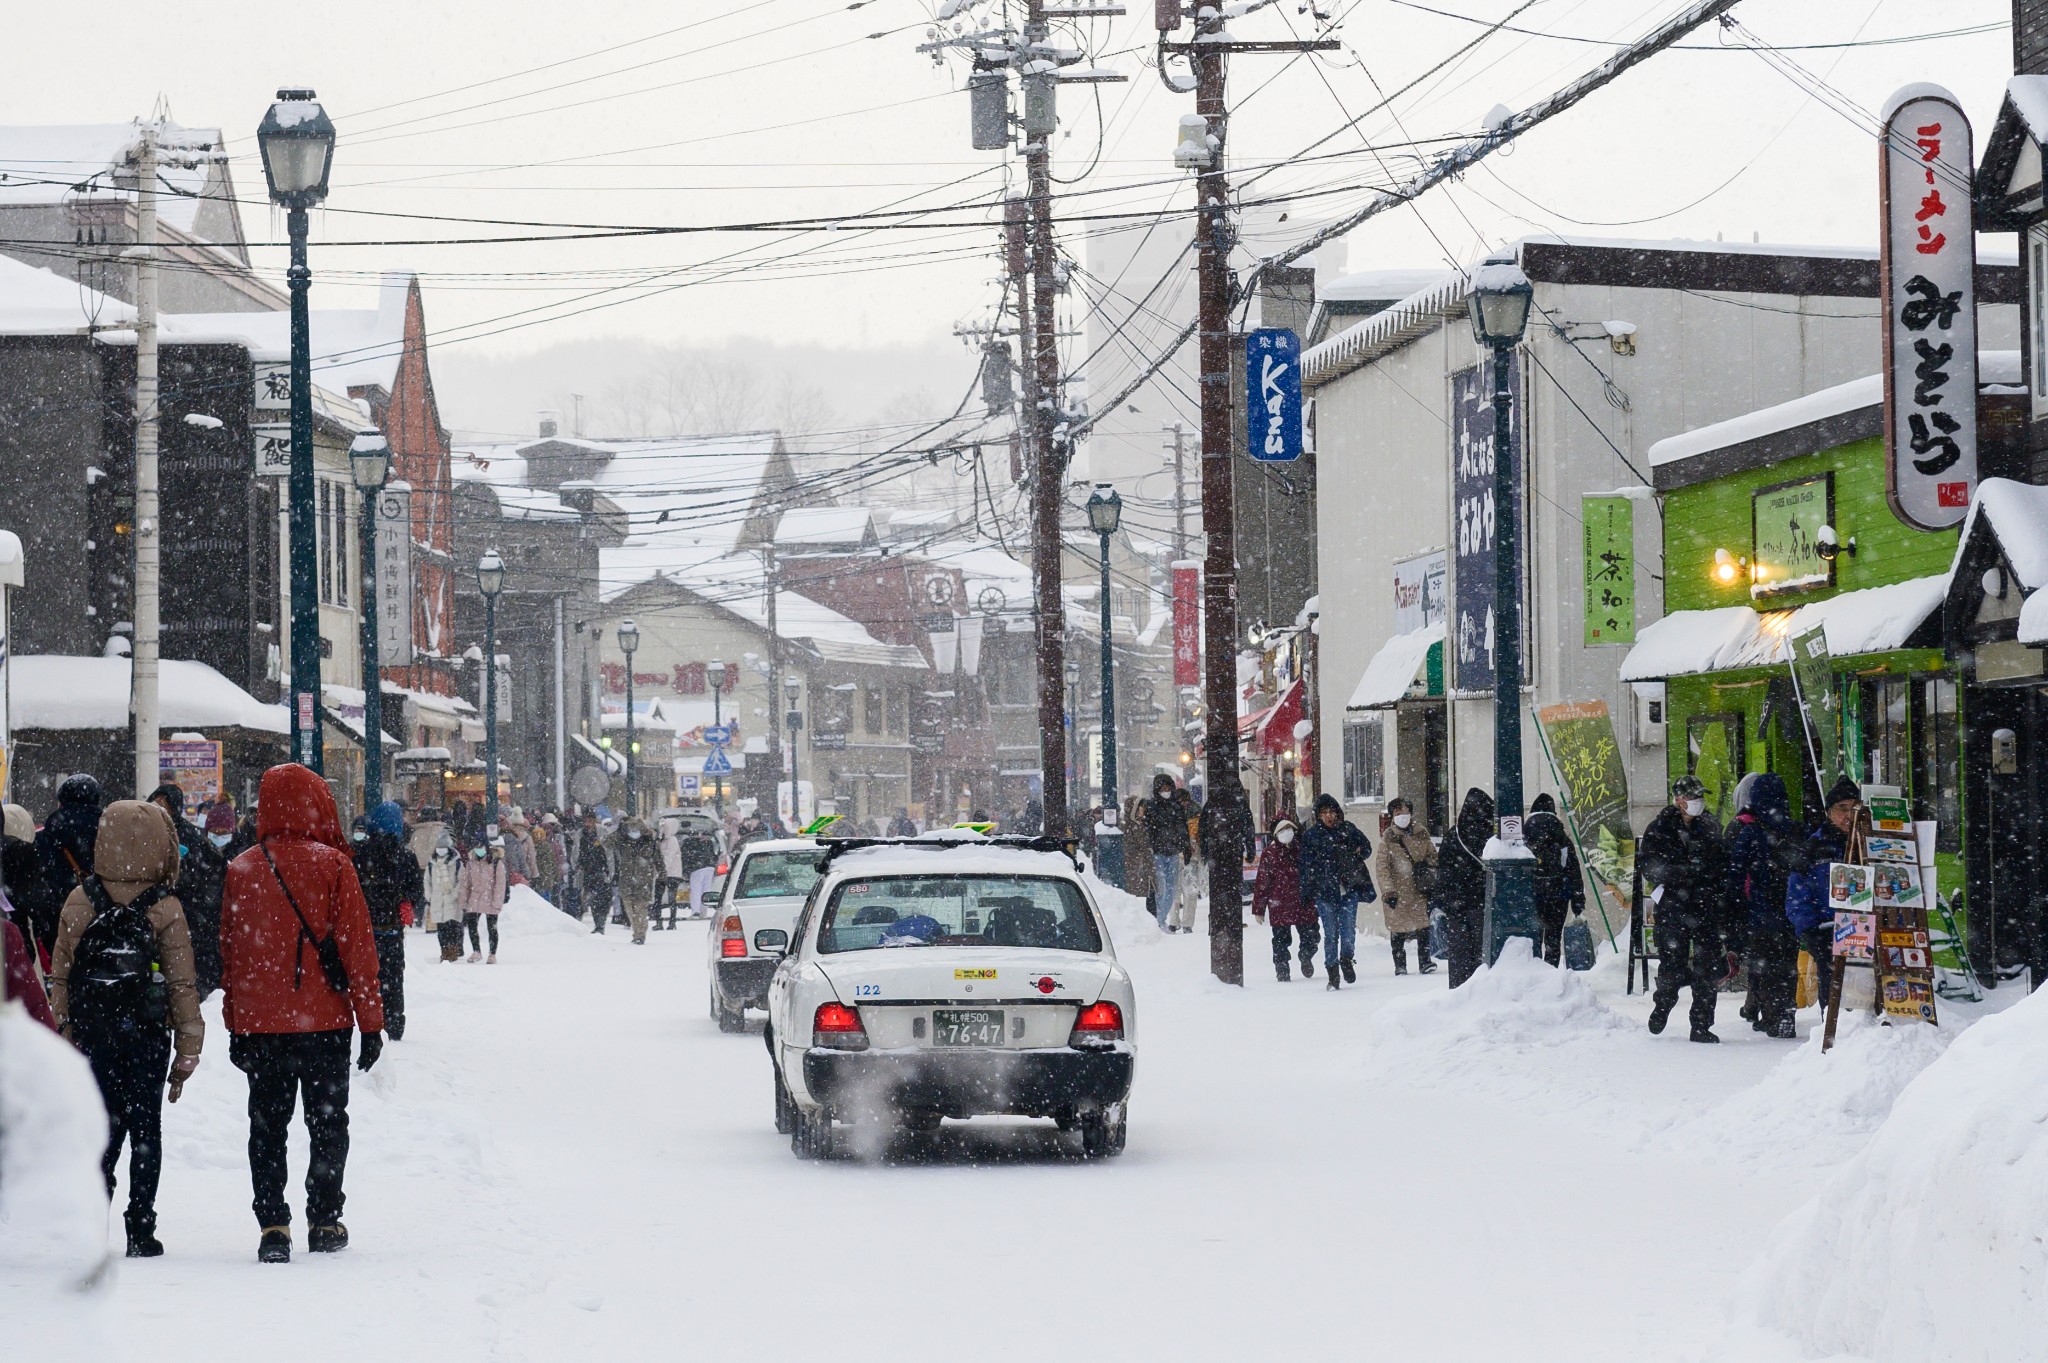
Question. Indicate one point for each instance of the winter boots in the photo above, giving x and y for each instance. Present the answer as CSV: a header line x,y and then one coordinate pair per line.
x,y
327,1239
1705,1037
276,1245
1308,965
1350,975
1785,1029
1332,979
142,1241
1280,969
1660,1013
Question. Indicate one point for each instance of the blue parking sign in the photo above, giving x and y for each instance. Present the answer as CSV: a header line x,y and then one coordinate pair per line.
x,y
1272,396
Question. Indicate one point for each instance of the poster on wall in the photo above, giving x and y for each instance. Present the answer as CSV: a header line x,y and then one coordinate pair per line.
x,y
1472,521
193,766
1927,280
1580,739
1610,526
1786,521
1420,599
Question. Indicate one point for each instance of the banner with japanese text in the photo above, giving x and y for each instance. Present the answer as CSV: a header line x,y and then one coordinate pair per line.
x,y
1187,625
1473,571
1610,532
1579,736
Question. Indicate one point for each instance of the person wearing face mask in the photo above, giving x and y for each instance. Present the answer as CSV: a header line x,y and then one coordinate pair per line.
x,y
1407,865
639,870
1336,872
480,893
443,904
1276,899
1682,855
1806,892
1560,888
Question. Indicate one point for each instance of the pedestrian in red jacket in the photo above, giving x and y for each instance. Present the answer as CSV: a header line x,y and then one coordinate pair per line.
x,y
290,901
1276,899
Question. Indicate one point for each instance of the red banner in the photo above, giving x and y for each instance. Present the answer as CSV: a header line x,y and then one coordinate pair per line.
x,y
1187,631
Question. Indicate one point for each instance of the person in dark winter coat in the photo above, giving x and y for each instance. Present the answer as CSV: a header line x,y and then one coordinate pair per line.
x,y
596,872
1276,900
21,876
1682,855
1764,850
391,881
289,1026
201,871
1166,832
1461,884
64,849
1806,893
1336,872
1560,888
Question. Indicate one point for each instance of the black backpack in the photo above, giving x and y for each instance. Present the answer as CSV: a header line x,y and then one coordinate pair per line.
x,y
117,980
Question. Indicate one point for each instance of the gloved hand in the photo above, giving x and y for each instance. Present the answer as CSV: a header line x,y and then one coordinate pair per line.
x,y
372,1046
181,1070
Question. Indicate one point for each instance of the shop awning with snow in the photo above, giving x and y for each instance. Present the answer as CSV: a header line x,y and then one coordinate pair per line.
x,y
1270,731
1402,663
55,692
1874,620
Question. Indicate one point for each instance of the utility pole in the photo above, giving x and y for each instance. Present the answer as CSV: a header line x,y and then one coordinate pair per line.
x,y
768,580
1227,816
1180,493
147,624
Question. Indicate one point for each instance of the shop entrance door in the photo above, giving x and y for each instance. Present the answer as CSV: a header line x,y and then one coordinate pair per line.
x,y
2008,737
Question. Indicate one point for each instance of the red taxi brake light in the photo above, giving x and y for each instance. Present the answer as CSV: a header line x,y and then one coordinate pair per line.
x,y
838,1027
724,866
1098,1024
732,946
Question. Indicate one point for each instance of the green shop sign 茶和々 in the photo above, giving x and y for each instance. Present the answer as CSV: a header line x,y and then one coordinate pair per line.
x,y
1786,521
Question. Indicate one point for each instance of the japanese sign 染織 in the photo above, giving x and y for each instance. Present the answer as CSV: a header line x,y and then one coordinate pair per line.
x,y
1272,398
1927,269
1610,524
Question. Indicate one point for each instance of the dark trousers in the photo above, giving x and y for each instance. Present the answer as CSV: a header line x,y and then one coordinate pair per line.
x,y
1551,918
1819,943
1400,941
391,979
1774,969
449,930
1311,937
1689,957
130,1069
1463,929
597,898
280,1067
469,921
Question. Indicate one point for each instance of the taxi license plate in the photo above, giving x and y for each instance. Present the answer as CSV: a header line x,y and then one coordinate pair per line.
x,y
966,1027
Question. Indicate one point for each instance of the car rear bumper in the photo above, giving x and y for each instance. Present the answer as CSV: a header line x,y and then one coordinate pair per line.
x,y
965,1083
743,982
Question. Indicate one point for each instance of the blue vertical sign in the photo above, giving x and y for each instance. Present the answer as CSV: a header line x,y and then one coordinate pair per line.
x,y
1272,397
1472,519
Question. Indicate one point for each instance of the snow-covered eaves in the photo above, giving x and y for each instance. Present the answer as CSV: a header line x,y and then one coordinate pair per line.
x,y
1814,421
1393,670
54,692
2017,514
826,527
1873,620
1376,286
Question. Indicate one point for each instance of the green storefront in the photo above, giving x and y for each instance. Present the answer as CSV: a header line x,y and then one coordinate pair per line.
x,y
1777,524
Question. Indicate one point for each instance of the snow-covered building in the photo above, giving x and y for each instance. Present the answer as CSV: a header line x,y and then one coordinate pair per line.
x,y
1628,343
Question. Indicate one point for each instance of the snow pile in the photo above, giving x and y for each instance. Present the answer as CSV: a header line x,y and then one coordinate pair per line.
x,y
1928,1244
526,914
53,1204
1813,1108
1516,1006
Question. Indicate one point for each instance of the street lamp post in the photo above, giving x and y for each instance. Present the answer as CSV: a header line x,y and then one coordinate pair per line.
x,y
1501,295
629,644
1073,782
792,688
490,577
297,142
369,460
1105,514
714,672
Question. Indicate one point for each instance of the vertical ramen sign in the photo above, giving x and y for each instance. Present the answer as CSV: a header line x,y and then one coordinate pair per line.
x,y
1928,268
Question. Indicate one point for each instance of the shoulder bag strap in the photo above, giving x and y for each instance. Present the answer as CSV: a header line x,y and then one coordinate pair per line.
x,y
305,928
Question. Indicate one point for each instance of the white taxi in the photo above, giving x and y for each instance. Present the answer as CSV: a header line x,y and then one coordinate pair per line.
x,y
752,916
950,976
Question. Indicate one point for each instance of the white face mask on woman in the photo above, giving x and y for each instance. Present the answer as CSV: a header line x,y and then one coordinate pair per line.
x,y
1694,808
220,839
1285,835
1403,820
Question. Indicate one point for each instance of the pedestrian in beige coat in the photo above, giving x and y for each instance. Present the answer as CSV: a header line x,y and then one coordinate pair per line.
x,y
1137,850
1407,867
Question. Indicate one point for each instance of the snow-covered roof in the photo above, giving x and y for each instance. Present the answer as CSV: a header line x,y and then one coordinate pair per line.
x,y
1872,620
1393,669
47,165
2018,515
1376,286
2029,98
994,581
816,527
47,691
38,302
352,347
1994,367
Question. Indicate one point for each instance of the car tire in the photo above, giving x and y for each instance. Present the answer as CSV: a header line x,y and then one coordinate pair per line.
x,y
733,1021
785,1108
811,1137
1103,1131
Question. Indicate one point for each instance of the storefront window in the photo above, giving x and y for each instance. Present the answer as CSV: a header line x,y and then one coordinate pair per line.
x,y
1365,759
1885,732
1937,760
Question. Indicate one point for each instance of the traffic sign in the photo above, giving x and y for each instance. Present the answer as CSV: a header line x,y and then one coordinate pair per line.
x,y
718,764
718,735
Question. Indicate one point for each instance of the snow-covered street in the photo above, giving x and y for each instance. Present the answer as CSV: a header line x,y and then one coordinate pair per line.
x,y
565,1159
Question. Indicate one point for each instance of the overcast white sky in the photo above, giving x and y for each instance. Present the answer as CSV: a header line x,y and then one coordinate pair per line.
x,y
751,110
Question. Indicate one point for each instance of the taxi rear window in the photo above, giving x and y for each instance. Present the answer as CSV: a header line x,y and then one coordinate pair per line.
x,y
884,912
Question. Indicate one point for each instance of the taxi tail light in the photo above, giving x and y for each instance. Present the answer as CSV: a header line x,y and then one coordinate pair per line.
x,y
838,1028
732,946
1099,1024
724,866
733,941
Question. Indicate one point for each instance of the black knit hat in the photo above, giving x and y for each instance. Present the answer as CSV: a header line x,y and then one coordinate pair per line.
x,y
1842,790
